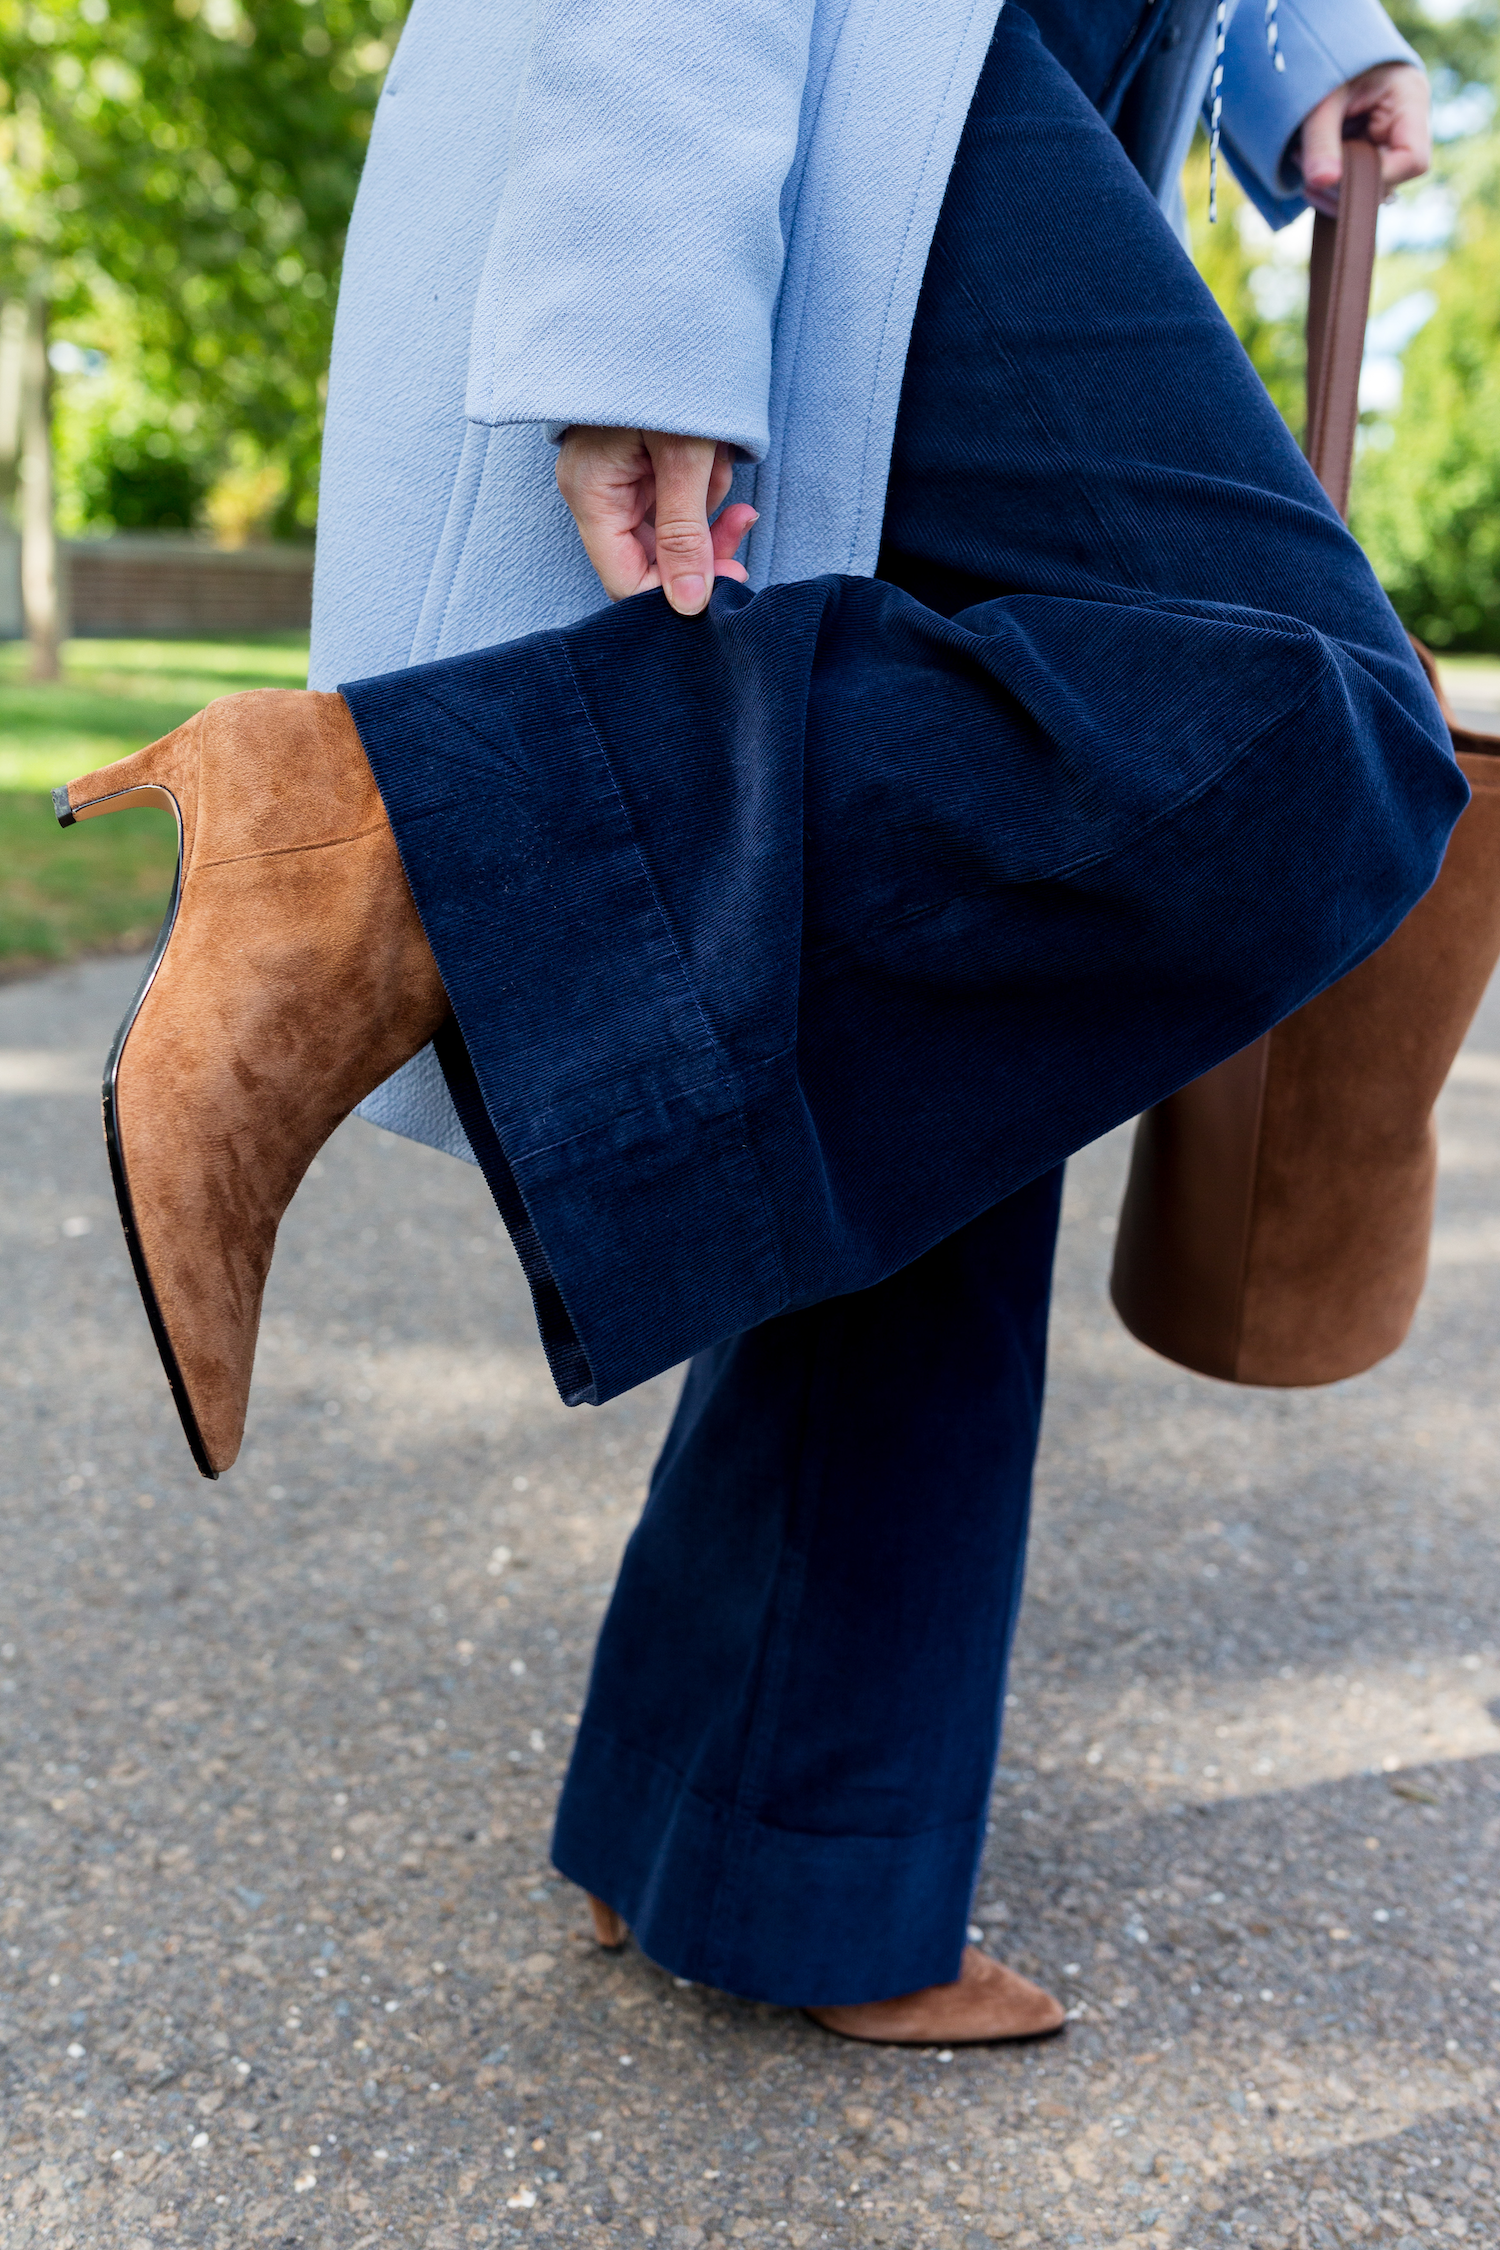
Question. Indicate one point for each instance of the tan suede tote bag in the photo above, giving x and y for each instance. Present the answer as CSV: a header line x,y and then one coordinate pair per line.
x,y
1276,1220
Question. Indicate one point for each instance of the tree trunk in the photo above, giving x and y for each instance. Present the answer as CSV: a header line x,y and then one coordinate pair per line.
x,y
38,531
12,345
12,350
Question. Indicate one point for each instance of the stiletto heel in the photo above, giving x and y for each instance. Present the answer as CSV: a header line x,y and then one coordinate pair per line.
x,y
159,776
164,773
290,976
116,800
609,1929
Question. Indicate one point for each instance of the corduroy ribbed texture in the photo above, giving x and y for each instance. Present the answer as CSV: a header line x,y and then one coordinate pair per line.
x,y
474,268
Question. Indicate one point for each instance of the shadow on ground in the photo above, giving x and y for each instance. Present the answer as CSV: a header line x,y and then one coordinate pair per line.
x,y
284,1961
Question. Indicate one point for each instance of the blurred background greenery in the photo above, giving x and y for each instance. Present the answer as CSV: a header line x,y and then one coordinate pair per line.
x,y
176,178
1427,476
103,886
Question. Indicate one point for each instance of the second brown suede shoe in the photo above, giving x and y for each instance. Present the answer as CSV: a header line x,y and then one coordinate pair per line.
x,y
290,978
986,2002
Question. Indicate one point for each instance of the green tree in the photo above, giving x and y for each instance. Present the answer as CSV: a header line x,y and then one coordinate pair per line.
x,y
1427,482
1427,494
1427,479
202,156
1458,44
1264,302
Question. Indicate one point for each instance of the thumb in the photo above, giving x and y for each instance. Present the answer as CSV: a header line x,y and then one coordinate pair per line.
x,y
684,547
1322,153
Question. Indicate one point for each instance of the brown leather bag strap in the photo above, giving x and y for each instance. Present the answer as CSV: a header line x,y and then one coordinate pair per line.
x,y
1338,305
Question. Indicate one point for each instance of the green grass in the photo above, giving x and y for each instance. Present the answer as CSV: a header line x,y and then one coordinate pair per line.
x,y
116,695
103,886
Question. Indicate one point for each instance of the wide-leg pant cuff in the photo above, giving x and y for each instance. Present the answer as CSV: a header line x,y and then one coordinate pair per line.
x,y
612,1129
784,940
714,1893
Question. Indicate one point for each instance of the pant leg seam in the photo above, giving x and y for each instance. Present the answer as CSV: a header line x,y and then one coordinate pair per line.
x,y
1026,391
785,1609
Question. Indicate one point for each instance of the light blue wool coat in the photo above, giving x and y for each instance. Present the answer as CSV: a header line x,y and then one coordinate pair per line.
x,y
704,215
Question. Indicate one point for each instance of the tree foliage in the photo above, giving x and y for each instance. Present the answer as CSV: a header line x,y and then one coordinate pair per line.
x,y
1427,497
1265,307
1427,478
1427,483
1458,45
202,157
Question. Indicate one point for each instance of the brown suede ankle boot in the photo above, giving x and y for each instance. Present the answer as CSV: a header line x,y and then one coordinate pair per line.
x,y
290,978
985,2003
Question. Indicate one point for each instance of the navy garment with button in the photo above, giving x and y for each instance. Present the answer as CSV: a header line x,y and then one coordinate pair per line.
x,y
792,948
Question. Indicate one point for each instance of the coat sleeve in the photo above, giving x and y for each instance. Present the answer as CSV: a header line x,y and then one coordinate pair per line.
x,y
632,273
1323,44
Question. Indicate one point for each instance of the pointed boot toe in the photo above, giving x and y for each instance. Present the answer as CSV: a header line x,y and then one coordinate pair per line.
x,y
291,976
985,2004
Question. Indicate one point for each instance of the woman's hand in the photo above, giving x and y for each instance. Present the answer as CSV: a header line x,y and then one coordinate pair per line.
x,y
642,500
1394,101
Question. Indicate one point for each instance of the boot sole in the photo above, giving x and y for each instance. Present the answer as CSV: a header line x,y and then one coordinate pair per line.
x,y
67,817
993,2039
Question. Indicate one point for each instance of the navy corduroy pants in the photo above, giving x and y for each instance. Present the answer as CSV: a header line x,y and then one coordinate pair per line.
x,y
793,947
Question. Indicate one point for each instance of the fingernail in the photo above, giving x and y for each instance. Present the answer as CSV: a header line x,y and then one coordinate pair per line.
x,y
688,593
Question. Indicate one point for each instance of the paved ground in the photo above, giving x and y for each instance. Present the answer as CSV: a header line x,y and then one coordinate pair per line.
x,y
283,1960
1475,701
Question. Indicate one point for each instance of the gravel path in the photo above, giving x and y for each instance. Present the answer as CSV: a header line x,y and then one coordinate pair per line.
x,y
283,1960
